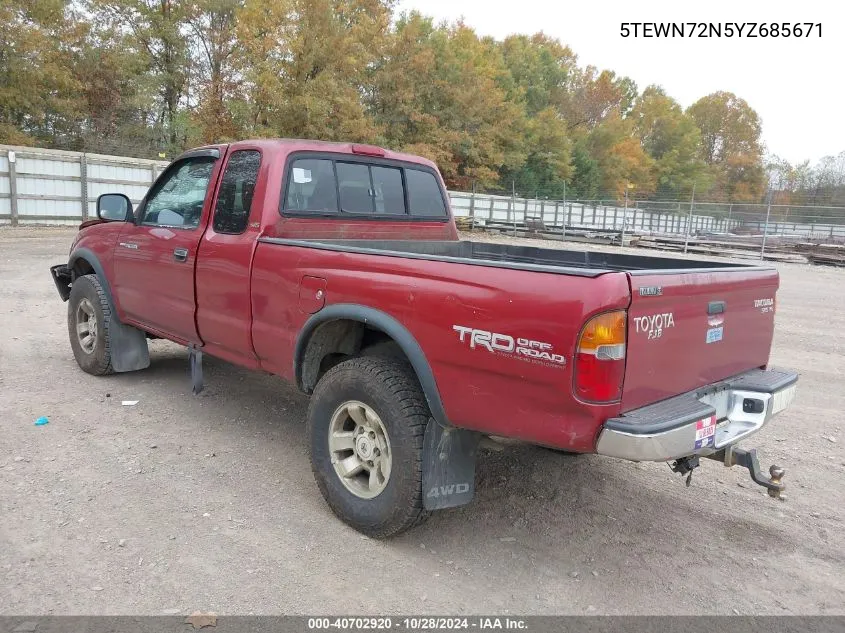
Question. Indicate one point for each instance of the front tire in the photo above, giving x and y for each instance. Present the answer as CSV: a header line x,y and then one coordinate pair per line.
x,y
366,423
88,321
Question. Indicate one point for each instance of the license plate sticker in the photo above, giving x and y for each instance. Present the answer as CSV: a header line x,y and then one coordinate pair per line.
x,y
714,334
705,432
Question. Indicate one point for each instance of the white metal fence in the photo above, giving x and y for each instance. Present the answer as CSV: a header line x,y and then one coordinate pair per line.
x,y
488,209
39,186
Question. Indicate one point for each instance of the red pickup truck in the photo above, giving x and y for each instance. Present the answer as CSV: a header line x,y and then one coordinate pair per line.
x,y
338,267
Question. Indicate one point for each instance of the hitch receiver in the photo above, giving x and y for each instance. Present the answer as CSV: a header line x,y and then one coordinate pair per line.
x,y
732,456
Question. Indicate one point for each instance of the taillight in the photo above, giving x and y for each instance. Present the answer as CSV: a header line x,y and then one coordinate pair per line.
x,y
600,358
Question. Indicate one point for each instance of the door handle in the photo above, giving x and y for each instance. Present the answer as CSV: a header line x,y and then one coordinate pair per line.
x,y
180,254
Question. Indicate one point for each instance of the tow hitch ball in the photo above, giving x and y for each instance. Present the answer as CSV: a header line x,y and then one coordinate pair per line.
x,y
732,456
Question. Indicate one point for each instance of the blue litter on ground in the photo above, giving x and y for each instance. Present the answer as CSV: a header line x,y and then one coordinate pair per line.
x,y
42,421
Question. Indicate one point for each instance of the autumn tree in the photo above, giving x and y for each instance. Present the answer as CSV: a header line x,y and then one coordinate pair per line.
x,y
158,33
622,162
117,101
540,68
826,184
730,144
145,77
38,102
593,96
307,65
586,175
442,92
220,113
672,139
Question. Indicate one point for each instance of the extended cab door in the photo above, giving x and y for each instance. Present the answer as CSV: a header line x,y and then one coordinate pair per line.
x,y
155,257
224,315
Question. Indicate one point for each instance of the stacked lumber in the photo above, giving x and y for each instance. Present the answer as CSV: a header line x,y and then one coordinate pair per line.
x,y
779,248
721,247
463,223
570,234
823,254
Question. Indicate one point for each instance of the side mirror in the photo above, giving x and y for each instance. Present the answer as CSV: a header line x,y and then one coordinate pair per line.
x,y
114,207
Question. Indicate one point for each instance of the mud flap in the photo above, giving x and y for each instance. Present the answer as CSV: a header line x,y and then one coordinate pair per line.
x,y
448,466
195,355
128,346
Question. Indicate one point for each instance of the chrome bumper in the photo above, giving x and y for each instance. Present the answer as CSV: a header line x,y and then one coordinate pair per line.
x,y
700,422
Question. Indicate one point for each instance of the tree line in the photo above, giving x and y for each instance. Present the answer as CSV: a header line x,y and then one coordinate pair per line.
x,y
150,78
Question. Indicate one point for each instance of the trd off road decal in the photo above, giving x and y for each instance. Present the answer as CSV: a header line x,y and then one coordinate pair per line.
x,y
515,347
653,325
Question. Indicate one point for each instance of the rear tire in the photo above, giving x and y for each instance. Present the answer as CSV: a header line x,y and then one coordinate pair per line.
x,y
366,423
88,321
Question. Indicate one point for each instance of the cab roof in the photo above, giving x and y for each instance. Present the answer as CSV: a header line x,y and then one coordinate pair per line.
x,y
287,145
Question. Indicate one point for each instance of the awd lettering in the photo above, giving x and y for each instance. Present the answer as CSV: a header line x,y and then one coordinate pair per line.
x,y
447,491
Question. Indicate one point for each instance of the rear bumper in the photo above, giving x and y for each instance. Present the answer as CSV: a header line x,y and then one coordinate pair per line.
x,y
699,422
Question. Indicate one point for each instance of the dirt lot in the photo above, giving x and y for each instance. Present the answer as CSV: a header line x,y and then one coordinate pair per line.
x,y
185,503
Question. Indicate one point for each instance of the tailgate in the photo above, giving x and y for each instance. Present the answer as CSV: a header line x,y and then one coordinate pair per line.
x,y
689,329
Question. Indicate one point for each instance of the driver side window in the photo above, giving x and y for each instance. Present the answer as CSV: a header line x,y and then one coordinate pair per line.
x,y
178,199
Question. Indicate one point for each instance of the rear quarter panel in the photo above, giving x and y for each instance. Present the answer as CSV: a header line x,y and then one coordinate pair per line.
x,y
494,392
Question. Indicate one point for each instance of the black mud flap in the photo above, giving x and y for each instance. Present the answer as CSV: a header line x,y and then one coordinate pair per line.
x,y
129,349
448,466
62,278
195,356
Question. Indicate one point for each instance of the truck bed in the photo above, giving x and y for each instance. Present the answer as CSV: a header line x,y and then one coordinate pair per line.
x,y
689,322
549,260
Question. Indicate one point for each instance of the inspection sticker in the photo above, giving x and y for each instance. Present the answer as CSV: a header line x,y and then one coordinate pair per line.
x,y
714,334
705,432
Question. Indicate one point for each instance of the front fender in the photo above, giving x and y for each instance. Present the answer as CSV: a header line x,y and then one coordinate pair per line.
x,y
129,349
87,255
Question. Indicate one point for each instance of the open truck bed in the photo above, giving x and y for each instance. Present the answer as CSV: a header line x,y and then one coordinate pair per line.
x,y
551,260
688,323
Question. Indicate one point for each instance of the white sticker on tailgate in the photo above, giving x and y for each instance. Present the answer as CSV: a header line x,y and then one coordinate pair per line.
x,y
714,334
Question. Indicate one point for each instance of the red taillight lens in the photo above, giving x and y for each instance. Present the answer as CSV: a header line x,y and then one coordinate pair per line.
x,y
600,358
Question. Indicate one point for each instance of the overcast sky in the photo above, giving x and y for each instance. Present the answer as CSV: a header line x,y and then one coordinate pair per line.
x,y
797,86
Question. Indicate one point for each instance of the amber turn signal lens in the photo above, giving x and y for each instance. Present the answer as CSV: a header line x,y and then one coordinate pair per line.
x,y
600,362
604,329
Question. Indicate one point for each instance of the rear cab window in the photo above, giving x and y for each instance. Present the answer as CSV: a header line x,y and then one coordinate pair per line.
x,y
344,184
234,197
424,194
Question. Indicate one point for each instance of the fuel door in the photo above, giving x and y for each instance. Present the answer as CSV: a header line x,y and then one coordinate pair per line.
x,y
312,294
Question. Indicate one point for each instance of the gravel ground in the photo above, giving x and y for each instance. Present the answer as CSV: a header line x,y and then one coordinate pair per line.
x,y
186,503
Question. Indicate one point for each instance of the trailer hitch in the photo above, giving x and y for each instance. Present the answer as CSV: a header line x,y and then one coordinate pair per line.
x,y
732,456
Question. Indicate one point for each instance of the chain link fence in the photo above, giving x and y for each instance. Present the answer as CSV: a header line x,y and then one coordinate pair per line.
x,y
776,232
